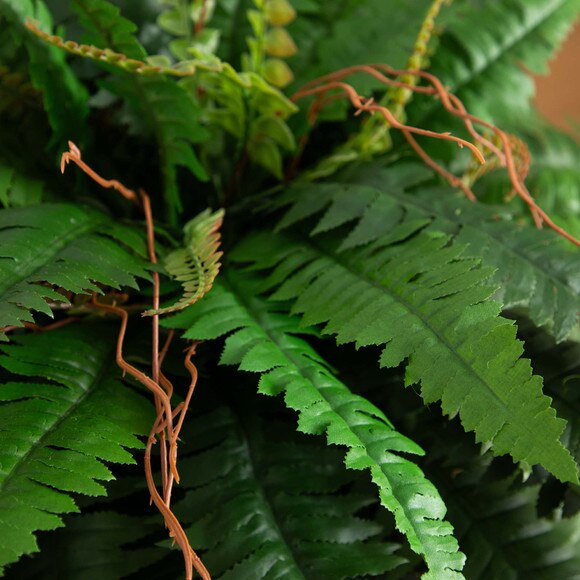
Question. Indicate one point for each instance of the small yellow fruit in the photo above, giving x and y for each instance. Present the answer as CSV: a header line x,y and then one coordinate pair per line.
x,y
279,43
278,73
280,12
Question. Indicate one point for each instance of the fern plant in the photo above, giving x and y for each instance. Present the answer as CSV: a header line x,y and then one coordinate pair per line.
x,y
249,334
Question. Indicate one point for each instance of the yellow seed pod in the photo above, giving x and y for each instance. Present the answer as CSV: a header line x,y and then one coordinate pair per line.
x,y
278,73
280,12
279,43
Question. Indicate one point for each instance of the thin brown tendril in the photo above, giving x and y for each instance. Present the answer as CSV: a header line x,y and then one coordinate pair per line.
x,y
40,328
161,387
517,167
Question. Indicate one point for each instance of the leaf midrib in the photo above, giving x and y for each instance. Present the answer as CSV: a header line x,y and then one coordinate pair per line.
x,y
262,493
21,270
505,49
261,323
408,200
417,313
103,369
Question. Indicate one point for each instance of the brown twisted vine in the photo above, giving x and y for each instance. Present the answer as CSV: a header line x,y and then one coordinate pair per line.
x,y
505,156
164,426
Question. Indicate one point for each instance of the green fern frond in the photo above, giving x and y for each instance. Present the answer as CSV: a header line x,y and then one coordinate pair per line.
x,y
64,246
559,365
535,270
554,177
58,429
114,30
499,528
415,294
277,497
264,342
65,97
197,264
489,49
349,32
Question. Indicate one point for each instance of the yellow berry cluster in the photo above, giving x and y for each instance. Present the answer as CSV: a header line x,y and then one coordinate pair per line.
x,y
277,42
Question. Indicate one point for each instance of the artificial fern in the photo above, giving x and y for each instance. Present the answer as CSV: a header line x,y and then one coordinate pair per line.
x,y
280,502
486,44
196,265
375,196
265,343
498,523
437,313
67,246
171,112
456,455
94,546
64,413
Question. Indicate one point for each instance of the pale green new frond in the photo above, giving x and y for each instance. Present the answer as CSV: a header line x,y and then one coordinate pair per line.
x,y
197,264
535,269
416,294
51,246
276,494
264,342
59,426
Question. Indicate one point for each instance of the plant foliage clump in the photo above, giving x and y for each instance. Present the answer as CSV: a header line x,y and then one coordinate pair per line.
x,y
314,267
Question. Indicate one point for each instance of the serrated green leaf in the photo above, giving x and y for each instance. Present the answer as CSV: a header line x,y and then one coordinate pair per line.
x,y
264,343
59,245
535,270
277,494
424,301
197,264
56,434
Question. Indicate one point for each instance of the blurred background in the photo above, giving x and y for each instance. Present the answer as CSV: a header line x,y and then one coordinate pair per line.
x,y
558,94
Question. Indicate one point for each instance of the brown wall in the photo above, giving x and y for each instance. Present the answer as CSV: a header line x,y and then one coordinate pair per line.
x,y
558,94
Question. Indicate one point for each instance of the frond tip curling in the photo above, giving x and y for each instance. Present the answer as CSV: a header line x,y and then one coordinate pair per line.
x,y
197,264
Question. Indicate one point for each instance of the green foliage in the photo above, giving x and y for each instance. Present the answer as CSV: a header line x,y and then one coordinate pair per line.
x,y
499,527
354,32
264,342
17,190
60,246
196,265
426,302
171,113
65,97
58,427
274,491
94,546
535,270
491,47
465,304
554,178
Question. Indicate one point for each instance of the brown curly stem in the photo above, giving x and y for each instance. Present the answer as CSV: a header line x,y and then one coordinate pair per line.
x,y
452,104
158,384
